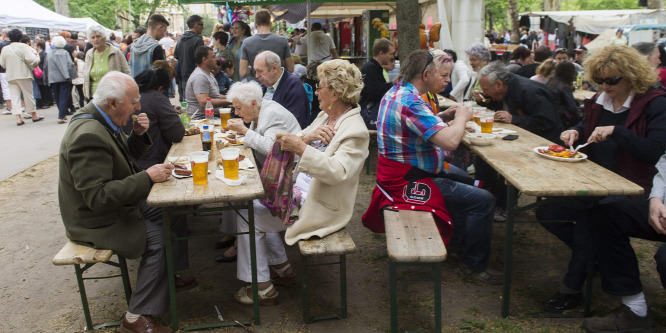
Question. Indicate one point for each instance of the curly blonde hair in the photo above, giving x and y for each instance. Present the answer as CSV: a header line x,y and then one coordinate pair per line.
x,y
622,61
546,68
343,78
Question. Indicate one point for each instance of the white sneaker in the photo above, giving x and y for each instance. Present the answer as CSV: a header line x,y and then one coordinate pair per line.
x,y
7,112
500,215
471,170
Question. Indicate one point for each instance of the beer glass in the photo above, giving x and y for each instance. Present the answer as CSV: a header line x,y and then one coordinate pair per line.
x,y
225,115
478,110
199,162
230,162
487,119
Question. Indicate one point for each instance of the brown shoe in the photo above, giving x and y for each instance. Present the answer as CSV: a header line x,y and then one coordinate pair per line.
x,y
145,324
622,320
185,283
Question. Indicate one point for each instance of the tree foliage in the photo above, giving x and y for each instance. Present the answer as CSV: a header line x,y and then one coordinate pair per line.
x,y
108,12
599,4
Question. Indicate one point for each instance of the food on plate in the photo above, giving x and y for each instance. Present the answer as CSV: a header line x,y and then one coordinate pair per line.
x,y
192,130
182,172
241,157
232,141
180,166
559,151
231,136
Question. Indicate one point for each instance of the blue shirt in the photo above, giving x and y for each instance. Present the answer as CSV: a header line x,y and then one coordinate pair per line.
x,y
108,120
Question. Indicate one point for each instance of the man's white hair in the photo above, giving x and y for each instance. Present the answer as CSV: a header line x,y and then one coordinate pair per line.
x,y
97,29
58,42
114,86
245,93
270,58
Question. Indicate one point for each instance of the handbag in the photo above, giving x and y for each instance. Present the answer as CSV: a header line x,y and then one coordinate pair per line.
x,y
37,72
277,178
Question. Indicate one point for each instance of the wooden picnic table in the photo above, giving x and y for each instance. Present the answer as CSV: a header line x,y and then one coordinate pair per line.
x,y
581,95
181,197
534,175
445,103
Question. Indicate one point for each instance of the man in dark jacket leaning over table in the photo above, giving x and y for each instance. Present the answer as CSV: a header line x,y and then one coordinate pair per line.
x,y
102,192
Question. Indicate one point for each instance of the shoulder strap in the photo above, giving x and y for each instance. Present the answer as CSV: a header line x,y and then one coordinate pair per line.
x,y
82,116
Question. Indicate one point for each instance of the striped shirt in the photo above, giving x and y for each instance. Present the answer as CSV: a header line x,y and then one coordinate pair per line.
x,y
404,125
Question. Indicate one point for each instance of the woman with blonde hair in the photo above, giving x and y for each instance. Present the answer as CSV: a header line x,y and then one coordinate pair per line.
x,y
544,71
332,151
626,121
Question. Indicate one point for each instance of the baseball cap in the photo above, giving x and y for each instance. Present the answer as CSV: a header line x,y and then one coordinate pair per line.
x,y
580,49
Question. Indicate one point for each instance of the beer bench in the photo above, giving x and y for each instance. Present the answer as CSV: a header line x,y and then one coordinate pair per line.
x,y
412,239
339,244
77,255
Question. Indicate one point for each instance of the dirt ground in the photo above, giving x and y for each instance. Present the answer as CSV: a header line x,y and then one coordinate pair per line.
x,y
40,297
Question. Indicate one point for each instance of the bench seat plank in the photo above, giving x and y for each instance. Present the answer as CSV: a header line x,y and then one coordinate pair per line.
x,y
73,253
412,236
337,243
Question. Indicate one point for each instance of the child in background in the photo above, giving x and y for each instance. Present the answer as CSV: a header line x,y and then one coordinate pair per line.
x,y
78,82
224,71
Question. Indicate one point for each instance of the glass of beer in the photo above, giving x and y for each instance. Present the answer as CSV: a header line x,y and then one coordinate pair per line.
x,y
225,115
477,112
199,162
487,119
230,162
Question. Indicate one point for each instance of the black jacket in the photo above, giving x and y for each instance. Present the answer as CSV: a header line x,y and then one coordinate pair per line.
x,y
375,86
528,71
184,52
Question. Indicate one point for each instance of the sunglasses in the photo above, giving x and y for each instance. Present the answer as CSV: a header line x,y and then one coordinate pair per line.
x,y
611,81
430,60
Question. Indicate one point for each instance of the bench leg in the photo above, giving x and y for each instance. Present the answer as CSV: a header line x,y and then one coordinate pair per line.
x,y
393,297
437,281
125,276
305,291
84,297
343,286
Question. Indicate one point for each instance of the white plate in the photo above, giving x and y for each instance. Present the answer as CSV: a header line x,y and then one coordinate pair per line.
x,y
242,165
503,131
189,167
561,159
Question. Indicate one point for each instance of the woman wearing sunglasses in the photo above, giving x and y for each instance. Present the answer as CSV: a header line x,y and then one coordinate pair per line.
x,y
626,121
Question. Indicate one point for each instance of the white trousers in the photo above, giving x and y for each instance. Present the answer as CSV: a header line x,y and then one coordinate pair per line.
x,y
16,87
270,248
4,85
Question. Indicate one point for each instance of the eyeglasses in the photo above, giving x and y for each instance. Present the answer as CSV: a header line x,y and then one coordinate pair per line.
x,y
611,81
430,60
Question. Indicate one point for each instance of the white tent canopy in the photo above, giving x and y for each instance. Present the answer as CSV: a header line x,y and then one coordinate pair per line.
x,y
91,23
27,13
597,21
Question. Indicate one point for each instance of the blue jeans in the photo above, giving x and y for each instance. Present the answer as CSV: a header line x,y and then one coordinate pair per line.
x,y
63,96
471,210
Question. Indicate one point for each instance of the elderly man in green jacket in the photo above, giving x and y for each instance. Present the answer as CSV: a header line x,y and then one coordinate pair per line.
x,y
102,193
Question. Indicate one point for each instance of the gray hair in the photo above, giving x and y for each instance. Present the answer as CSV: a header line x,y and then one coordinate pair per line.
x,y
415,64
5,31
112,86
645,48
495,71
58,42
97,29
479,50
245,93
270,58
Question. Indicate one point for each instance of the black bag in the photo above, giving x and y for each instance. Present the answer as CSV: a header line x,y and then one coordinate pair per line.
x,y
369,113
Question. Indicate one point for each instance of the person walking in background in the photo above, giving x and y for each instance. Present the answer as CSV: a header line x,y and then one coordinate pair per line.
x,y
263,40
101,60
146,49
239,32
323,47
19,60
78,81
59,71
619,39
44,90
3,78
189,42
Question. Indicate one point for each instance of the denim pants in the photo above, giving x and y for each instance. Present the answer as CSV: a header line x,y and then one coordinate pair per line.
x,y
471,210
63,97
611,226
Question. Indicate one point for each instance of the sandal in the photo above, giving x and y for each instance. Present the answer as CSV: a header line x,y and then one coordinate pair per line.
x,y
243,296
21,123
280,278
40,118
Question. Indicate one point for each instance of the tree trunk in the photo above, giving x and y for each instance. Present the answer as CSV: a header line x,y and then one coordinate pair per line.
x,y
490,20
513,13
408,18
552,5
655,4
61,7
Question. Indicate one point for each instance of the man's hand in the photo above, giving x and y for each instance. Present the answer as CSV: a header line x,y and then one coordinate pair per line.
x,y
503,117
324,133
462,113
601,133
141,124
236,125
159,173
658,216
291,142
569,137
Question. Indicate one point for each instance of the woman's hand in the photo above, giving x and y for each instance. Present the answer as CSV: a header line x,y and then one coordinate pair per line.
x,y
658,216
569,137
601,133
291,142
236,125
324,133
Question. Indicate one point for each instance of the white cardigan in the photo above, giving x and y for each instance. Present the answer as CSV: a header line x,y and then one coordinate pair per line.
x,y
335,171
460,79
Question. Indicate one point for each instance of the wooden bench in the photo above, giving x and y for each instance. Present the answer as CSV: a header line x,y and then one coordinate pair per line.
x,y
412,239
77,255
339,244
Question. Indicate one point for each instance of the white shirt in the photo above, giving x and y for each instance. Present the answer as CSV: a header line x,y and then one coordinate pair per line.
x,y
270,91
607,103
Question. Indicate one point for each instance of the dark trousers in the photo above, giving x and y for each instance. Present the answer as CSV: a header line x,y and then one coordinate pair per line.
x,y
79,90
47,96
492,181
63,97
611,226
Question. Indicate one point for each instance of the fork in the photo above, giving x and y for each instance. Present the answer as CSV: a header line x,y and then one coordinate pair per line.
x,y
581,146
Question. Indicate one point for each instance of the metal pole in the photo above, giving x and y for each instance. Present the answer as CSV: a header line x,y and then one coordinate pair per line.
x,y
307,4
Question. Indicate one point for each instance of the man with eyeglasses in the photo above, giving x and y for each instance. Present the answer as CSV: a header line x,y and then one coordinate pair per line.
x,y
185,48
413,143
375,85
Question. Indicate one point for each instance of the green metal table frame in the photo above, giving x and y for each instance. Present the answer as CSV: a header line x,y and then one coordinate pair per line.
x,y
511,209
168,213
122,264
437,282
305,290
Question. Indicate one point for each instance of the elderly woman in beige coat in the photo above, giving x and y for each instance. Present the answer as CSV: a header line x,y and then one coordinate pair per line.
x,y
20,59
101,59
332,151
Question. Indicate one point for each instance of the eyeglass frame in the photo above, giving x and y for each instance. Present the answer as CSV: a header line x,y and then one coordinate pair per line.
x,y
611,81
430,60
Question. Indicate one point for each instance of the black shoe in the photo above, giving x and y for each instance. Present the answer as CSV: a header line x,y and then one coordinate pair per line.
x,y
621,320
560,302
